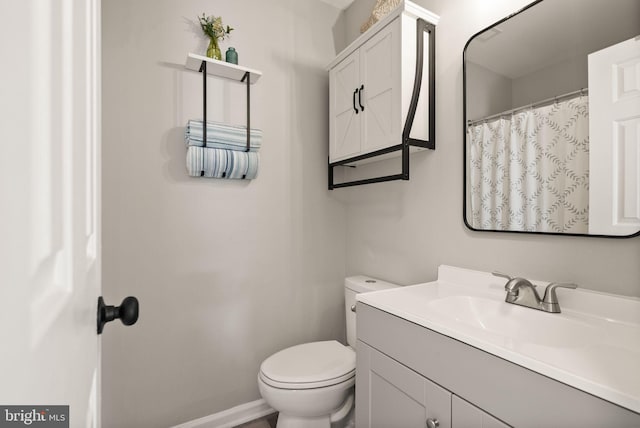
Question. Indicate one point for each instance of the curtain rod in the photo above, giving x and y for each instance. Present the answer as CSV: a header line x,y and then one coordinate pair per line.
x,y
547,101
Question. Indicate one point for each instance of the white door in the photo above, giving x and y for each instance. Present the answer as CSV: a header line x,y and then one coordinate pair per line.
x,y
380,73
49,191
614,139
345,124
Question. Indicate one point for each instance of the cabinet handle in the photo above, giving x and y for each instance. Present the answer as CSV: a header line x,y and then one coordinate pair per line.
x,y
360,97
433,423
354,101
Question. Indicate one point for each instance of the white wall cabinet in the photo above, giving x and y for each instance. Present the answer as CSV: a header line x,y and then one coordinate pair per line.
x,y
365,97
375,89
407,375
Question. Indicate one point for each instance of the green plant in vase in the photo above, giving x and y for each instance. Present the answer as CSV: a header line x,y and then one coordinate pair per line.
x,y
213,28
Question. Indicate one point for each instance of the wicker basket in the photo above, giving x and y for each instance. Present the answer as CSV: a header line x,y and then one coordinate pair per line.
x,y
380,10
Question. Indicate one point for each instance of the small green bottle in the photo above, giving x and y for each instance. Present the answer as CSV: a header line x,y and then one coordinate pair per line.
x,y
232,56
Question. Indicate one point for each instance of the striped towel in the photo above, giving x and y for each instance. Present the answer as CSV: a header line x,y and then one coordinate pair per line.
x,y
220,163
222,136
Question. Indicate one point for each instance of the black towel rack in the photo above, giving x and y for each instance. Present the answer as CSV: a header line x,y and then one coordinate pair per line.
x,y
227,71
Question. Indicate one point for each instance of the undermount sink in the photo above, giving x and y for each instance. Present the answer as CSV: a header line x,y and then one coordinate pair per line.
x,y
592,345
515,323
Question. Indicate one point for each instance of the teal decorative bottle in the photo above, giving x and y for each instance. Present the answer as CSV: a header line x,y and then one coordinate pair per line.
x,y
232,56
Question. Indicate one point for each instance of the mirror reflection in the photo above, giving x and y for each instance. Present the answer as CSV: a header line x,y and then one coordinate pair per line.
x,y
552,120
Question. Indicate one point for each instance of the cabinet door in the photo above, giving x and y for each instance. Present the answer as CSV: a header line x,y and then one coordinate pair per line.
x,y
380,60
466,415
344,123
391,395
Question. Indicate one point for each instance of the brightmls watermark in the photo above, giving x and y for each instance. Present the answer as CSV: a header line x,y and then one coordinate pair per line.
x,y
34,416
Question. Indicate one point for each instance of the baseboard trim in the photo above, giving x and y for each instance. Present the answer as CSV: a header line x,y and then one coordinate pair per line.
x,y
231,417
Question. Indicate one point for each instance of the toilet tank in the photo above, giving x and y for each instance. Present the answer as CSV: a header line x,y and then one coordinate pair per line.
x,y
352,286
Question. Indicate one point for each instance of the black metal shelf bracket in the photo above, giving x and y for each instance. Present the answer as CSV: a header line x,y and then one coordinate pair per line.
x,y
246,78
422,28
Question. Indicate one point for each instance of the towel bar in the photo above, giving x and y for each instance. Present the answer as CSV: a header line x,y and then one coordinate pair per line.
x,y
238,74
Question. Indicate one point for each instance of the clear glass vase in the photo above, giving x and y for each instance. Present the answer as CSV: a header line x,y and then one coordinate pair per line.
x,y
213,51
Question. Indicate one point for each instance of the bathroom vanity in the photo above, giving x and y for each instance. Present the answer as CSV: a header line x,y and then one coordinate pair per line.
x,y
452,353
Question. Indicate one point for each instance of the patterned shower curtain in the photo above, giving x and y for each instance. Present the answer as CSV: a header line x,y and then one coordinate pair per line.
x,y
530,171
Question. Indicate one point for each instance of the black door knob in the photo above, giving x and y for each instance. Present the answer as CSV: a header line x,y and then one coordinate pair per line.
x,y
127,312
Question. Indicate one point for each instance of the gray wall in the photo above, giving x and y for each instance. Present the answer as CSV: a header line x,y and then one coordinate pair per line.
x,y
491,92
557,79
401,231
227,272
353,18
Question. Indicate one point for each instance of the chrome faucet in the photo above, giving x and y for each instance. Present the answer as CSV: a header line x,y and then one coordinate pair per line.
x,y
522,292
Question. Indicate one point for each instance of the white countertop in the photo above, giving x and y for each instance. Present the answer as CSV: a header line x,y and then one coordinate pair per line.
x,y
593,345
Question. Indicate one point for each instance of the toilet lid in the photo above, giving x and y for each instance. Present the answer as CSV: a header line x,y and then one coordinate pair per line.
x,y
310,365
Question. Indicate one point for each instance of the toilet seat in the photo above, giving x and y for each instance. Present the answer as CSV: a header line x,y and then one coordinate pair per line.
x,y
310,365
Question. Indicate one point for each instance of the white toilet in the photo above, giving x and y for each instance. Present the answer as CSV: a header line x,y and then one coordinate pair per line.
x,y
312,384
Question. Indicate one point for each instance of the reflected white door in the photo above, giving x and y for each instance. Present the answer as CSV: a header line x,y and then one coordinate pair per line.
x,y
614,139
49,193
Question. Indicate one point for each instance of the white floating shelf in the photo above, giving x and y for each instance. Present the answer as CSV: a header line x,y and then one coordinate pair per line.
x,y
222,69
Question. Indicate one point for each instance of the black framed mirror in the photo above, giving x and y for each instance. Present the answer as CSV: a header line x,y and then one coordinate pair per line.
x,y
552,120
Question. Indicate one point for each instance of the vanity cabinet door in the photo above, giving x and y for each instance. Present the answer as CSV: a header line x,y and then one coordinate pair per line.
x,y
466,415
390,395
